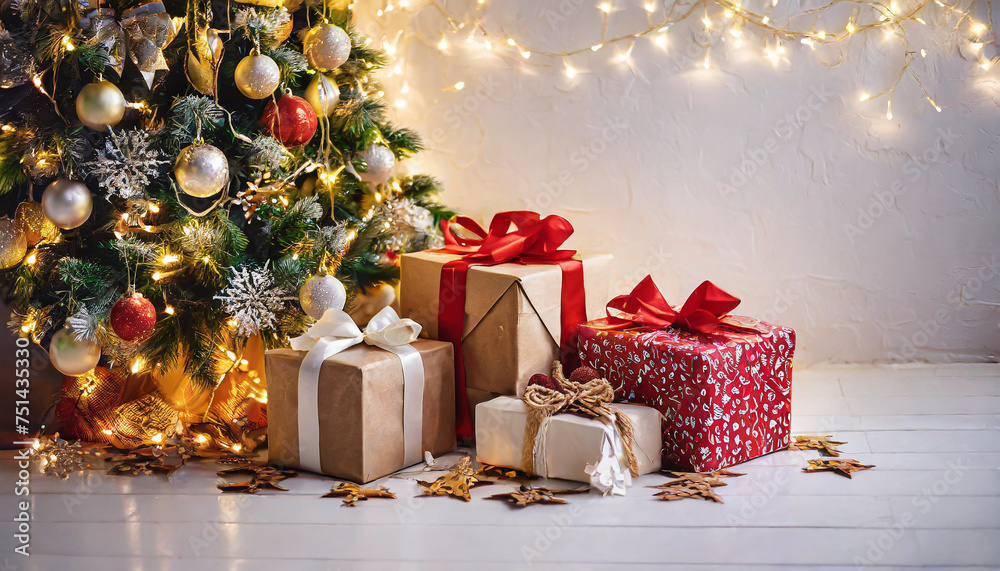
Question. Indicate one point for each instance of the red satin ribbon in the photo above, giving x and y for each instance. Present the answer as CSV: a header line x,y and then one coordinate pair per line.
x,y
533,240
702,312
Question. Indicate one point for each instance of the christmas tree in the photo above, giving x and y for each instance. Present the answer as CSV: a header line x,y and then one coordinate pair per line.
x,y
182,178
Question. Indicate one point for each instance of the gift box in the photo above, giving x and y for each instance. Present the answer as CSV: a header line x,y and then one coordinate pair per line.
x,y
568,446
722,382
509,314
360,405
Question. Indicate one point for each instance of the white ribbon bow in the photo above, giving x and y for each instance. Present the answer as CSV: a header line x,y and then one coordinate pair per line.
x,y
336,332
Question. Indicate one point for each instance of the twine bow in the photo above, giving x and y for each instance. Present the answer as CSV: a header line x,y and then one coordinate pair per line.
x,y
592,399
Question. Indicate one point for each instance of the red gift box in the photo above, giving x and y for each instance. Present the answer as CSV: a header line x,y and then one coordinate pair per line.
x,y
723,383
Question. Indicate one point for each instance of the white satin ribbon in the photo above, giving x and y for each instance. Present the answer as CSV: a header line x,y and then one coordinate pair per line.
x,y
336,332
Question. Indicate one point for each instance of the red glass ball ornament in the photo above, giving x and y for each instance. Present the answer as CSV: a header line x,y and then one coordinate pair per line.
x,y
291,120
133,317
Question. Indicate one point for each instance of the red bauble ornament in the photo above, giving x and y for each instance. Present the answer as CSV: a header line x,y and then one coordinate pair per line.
x,y
291,120
133,317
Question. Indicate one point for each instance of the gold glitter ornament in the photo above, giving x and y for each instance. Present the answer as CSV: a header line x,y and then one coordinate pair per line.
x,y
257,76
13,244
37,227
326,47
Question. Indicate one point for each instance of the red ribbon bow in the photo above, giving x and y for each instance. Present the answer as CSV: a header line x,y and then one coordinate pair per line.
x,y
514,237
702,312
532,239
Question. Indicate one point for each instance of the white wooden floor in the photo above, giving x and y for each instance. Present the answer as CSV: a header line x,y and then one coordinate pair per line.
x,y
933,500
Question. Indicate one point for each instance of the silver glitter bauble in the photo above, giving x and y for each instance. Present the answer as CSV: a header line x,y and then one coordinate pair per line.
x,y
72,356
201,170
67,203
323,94
380,161
13,243
257,76
327,47
100,105
320,293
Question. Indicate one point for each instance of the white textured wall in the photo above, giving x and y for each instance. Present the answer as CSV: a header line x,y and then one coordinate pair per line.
x,y
876,239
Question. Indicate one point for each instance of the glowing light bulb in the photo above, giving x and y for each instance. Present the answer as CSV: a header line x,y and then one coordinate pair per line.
x,y
649,6
888,109
201,438
511,42
821,35
707,22
596,47
923,52
661,41
707,63
978,27
443,44
765,20
850,27
525,54
169,310
604,7
570,71
933,104
459,85
976,46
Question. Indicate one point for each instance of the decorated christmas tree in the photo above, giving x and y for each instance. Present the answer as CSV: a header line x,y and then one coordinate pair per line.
x,y
185,184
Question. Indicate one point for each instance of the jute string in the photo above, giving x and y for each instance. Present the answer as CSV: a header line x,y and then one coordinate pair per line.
x,y
592,399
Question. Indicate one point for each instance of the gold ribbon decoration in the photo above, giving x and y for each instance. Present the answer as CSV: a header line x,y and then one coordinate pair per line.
x,y
592,399
204,49
142,34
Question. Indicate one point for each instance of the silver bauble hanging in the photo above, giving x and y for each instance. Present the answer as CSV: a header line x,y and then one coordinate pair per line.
x,y
323,94
380,161
72,356
326,47
257,76
67,203
320,293
201,170
100,105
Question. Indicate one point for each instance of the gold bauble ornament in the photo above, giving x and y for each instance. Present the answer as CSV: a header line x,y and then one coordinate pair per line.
x,y
323,94
326,47
37,227
71,356
257,76
201,170
13,245
100,105
67,203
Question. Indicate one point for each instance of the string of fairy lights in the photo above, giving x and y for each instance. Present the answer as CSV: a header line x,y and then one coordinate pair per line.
x,y
772,24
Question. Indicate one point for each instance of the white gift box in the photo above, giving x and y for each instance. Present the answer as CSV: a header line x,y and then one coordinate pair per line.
x,y
569,446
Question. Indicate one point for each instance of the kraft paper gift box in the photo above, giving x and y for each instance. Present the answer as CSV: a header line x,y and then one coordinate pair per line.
x,y
569,446
512,314
725,393
361,409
